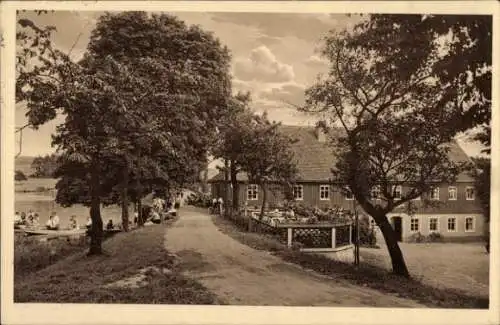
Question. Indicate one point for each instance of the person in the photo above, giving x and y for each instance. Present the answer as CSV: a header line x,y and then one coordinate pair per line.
x,y
36,220
110,225
73,224
155,217
53,222
136,217
214,205
23,218
17,219
88,225
220,203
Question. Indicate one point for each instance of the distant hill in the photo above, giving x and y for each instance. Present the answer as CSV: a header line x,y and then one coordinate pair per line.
x,y
23,164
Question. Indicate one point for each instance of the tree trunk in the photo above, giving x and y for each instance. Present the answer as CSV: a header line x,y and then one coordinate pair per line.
x,y
236,190
96,230
226,182
397,259
124,199
140,218
264,201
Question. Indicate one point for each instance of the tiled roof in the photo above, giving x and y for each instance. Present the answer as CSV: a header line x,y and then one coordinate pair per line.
x,y
315,159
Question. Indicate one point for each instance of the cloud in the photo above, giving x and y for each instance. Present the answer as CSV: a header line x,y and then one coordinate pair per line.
x,y
310,27
316,60
286,94
263,66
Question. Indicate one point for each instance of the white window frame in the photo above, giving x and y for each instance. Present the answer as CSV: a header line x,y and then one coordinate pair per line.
x,y
473,224
377,189
348,191
395,189
254,189
448,222
437,224
473,193
449,191
301,198
432,193
324,189
418,224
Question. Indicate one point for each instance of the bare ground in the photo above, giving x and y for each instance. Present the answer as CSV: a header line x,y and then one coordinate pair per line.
x,y
442,265
240,275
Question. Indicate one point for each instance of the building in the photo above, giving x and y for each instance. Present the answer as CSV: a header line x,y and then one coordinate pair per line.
x,y
457,217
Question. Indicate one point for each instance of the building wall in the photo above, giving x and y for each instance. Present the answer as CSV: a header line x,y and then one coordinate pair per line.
x,y
460,232
444,208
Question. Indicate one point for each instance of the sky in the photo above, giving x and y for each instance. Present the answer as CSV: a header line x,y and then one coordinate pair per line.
x,y
274,56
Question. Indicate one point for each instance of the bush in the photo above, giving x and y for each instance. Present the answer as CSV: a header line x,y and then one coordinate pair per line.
x,y
19,176
416,238
200,200
366,232
434,237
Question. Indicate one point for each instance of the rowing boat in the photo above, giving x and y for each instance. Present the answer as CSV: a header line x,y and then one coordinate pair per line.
x,y
55,233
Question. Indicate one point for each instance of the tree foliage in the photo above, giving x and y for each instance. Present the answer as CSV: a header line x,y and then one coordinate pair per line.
x,y
19,176
268,158
139,107
398,110
45,166
457,49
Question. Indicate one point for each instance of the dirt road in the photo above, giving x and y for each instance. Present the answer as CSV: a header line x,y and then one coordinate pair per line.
x,y
240,275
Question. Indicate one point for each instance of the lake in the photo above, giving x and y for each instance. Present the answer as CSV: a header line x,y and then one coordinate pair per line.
x,y
43,204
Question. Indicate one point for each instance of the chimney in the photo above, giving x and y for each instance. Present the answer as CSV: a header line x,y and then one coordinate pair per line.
x,y
320,131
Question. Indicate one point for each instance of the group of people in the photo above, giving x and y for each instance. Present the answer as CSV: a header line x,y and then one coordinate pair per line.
x,y
31,219
217,205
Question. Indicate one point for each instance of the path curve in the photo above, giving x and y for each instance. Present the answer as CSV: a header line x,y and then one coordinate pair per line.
x,y
241,275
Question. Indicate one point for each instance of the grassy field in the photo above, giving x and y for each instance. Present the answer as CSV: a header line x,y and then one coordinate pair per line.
x,y
366,275
441,265
102,279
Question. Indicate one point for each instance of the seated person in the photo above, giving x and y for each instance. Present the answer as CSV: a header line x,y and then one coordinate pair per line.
x,y
89,223
155,217
36,220
53,222
23,218
17,219
110,225
72,222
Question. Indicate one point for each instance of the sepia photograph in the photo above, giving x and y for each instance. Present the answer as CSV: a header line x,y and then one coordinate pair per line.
x,y
249,158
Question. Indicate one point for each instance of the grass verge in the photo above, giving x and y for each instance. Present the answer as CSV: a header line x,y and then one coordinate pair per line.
x,y
81,279
363,275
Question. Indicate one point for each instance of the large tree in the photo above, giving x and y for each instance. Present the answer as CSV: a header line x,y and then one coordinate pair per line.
x,y
233,130
149,87
463,65
398,115
267,156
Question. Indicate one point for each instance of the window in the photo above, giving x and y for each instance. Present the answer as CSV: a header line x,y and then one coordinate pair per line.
x,y
452,193
435,193
324,192
348,194
397,191
252,192
414,224
375,193
469,193
469,224
298,192
433,224
452,224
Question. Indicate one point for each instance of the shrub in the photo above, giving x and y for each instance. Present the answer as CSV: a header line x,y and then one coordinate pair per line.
x,y
19,176
416,238
434,237
366,232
